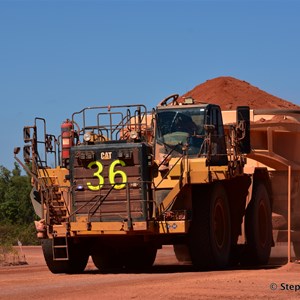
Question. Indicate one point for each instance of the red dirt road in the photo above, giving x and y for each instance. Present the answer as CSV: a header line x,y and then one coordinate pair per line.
x,y
166,280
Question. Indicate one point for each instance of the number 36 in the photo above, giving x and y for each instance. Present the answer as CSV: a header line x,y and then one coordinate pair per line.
x,y
112,173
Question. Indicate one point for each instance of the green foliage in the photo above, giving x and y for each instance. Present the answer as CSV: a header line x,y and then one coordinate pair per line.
x,y
16,211
10,234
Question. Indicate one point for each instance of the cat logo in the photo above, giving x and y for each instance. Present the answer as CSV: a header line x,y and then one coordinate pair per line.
x,y
105,155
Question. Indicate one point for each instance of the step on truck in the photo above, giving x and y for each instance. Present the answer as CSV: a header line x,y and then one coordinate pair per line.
x,y
119,182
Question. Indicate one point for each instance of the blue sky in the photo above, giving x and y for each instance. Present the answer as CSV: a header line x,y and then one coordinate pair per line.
x,y
57,57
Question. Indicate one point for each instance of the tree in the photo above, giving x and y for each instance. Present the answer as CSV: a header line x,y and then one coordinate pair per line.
x,y
5,176
15,204
16,211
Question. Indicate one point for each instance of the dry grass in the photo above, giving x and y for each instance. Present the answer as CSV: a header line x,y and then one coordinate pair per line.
x,y
10,256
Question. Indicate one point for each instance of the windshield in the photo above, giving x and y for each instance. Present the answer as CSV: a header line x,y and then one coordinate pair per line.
x,y
181,126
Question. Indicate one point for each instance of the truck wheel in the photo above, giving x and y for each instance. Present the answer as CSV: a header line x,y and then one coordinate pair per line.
x,y
210,234
182,253
78,258
258,227
296,246
110,258
138,258
107,259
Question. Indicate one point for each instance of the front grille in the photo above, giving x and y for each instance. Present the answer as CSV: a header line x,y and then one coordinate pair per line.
x,y
113,185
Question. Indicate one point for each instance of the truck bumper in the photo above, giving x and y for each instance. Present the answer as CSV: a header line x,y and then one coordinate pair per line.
x,y
119,228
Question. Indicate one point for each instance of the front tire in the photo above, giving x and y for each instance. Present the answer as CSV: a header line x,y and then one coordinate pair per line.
x,y
107,259
210,233
137,257
78,258
140,257
182,253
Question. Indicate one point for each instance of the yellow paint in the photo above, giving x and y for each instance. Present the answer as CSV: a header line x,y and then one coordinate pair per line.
x,y
55,176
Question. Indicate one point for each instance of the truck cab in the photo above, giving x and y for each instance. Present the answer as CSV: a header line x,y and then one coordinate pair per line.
x,y
196,129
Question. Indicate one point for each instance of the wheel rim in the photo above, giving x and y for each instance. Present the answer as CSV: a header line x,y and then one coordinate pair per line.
x,y
219,224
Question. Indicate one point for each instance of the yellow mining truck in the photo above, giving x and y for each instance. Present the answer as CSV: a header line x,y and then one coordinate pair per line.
x,y
120,182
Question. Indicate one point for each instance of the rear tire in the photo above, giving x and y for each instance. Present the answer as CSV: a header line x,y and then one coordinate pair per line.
x,y
210,232
296,246
258,227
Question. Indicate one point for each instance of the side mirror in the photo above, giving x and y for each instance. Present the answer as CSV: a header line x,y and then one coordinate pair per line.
x,y
16,150
243,128
27,134
27,153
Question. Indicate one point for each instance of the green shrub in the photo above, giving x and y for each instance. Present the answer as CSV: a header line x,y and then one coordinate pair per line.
x,y
10,234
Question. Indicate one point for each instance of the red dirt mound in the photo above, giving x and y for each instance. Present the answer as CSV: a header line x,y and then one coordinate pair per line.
x,y
230,92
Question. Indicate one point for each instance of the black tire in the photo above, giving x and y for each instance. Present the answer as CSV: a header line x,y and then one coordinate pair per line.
x,y
107,259
182,253
296,246
78,258
131,258
210,232
140,257
258,227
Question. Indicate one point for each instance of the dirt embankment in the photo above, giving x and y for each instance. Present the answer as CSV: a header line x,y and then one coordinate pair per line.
x,y
229,92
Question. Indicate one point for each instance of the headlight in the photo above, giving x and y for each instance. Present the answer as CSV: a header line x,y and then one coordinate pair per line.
x,y
87,136
133,135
